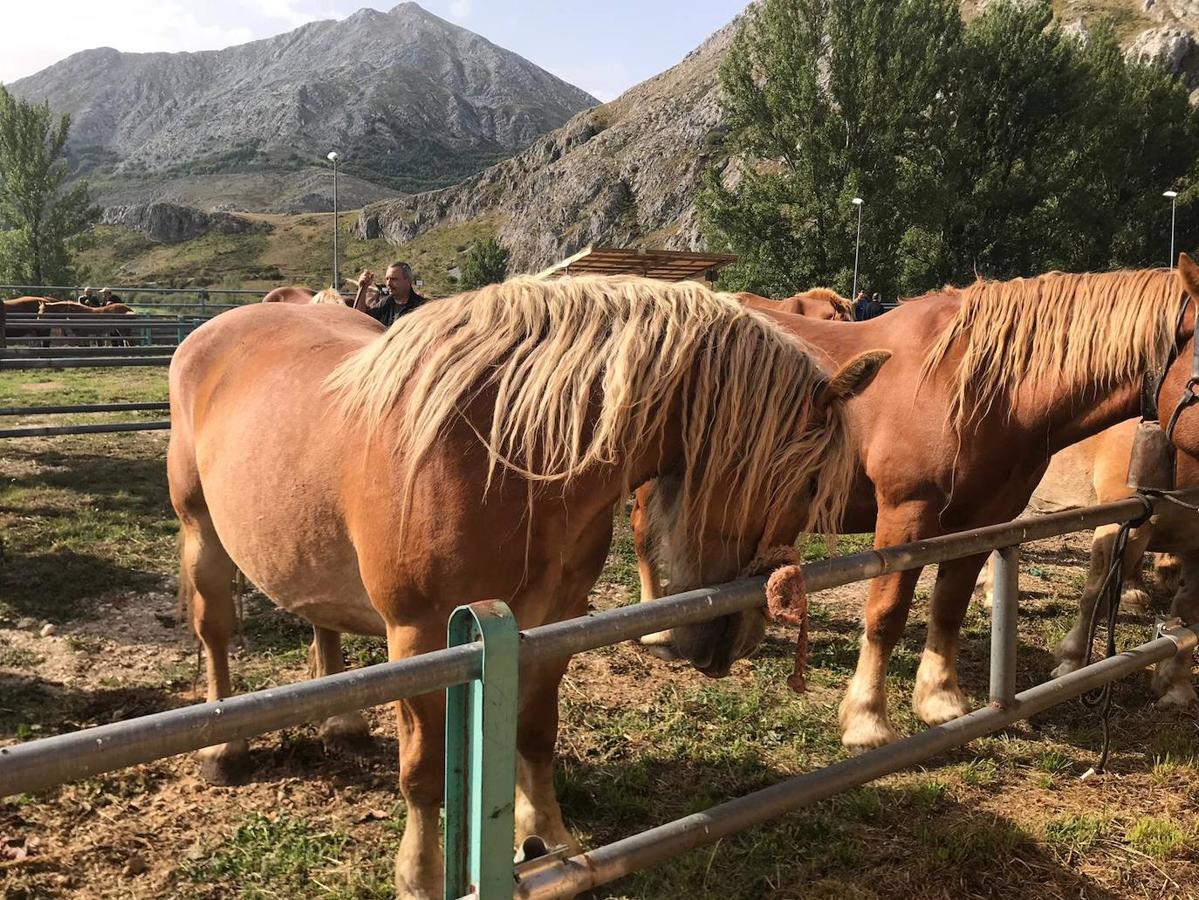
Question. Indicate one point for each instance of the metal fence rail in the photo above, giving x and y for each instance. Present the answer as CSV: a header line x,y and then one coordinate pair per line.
x,y
49,761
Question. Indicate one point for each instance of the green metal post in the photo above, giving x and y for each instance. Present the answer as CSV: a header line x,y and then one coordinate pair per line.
x,y
480,757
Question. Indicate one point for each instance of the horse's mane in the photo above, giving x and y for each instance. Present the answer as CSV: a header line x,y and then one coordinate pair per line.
x,y
329,295
584,372
836,301
1058,329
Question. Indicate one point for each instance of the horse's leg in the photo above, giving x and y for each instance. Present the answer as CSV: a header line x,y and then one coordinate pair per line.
x,y
1134,597
1073,647
537,810
324,658
651,586
1167,572
206,587
863,712
985,583
1172,677
420,725
937,697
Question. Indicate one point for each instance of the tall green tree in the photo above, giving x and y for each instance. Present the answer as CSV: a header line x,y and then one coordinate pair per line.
x,y
827,99
1001,148
486,263
42,217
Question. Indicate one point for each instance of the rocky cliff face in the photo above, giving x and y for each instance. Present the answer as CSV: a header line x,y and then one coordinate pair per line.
x,y
410,101
626,173
171,224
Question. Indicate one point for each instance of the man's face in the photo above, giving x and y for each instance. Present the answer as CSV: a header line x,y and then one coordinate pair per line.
x,y
397,281
87,292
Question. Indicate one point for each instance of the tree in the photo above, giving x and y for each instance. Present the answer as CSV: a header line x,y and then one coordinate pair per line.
x,y
42,217
827,99
1005,147
486,263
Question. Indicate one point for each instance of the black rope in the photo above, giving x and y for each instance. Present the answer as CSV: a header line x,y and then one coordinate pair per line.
x,y
1109,601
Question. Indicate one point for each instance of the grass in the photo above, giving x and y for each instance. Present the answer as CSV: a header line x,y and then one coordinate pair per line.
x,y
279,856
1156,838
288,249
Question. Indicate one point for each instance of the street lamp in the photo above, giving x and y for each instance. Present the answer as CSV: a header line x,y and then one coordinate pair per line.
x,y
857,201
333,158
1173,195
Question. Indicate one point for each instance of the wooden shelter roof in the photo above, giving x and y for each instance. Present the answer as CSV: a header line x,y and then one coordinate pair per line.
x,y
668,265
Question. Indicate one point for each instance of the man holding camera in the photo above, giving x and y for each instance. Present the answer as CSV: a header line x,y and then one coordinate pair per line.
x,y
395,299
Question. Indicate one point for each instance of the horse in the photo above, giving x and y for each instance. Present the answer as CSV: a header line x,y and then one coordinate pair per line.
x,y
1096,471
817,303
69,309
329,295
477,450
984,385
294,293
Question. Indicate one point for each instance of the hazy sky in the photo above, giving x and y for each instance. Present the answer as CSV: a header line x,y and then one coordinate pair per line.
x,y
602,47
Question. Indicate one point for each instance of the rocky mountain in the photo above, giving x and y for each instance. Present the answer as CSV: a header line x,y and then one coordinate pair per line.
x,y
623,173
172,224
626,173
409,100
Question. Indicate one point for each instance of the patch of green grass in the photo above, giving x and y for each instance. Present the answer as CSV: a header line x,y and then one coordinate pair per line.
x,y
1156,838
969,844
980,773
284,857
1074,833
926,795
1053,761
20,658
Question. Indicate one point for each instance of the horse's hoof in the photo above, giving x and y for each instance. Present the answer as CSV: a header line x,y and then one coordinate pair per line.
x,y
939,707
345,733
862,733
1179,696
1065,667
226,764
1135,600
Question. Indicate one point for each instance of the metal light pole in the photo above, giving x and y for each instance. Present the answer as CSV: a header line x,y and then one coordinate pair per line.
x,y
1173,195
857,201
333,157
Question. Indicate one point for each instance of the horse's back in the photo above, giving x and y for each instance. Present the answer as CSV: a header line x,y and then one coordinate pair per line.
x,y
292,293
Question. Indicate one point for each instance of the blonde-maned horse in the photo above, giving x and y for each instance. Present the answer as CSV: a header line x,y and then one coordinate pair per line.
x,y
477,450
984,385
329,295
817,303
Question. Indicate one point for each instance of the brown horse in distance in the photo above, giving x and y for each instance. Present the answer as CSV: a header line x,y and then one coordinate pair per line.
x,y
69,309
984,386
294,293
818,303
481,445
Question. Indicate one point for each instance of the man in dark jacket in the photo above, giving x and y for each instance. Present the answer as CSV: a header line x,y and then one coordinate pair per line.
x,y
395,299
861,307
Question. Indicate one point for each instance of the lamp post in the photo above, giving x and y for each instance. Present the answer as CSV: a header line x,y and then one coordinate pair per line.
x,y
333,158
857,250
1173,195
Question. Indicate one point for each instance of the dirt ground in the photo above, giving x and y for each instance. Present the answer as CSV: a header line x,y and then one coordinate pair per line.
x,y
642,742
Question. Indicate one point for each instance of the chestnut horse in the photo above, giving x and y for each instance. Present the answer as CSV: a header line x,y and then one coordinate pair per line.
x,y
477,450
294,293
985,385
69,309
818,303
1096,471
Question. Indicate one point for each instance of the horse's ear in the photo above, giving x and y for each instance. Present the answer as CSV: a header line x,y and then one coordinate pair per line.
x,y
852,378
1188,274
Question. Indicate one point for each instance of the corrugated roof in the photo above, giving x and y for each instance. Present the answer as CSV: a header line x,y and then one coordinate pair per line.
x,y
668,265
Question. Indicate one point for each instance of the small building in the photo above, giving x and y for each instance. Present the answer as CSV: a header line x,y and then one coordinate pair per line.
x,y
667,265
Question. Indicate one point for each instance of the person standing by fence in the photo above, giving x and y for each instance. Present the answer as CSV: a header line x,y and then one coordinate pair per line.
x,y
395,299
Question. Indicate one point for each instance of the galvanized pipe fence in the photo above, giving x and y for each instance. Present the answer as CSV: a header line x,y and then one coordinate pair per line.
x,y
486,863
52,342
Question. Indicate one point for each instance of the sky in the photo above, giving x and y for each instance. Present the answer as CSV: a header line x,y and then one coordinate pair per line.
x,y
603,47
